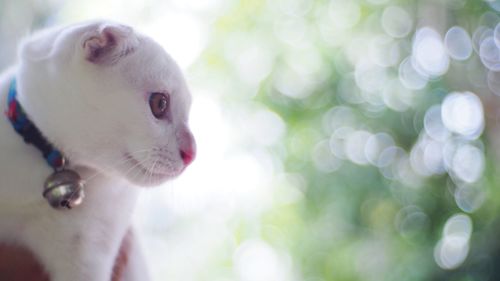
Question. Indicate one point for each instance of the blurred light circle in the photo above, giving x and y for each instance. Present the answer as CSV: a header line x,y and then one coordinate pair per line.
x,y
427,156
375,144
451,252
266,127
417,158
481,33
396,96
469,198
305,61
495,4
384,51
348,90
458,43
338,141
409,77
468,163
429,53
323,158
370,78
373,102
450,148
375,108
496,35
405,172
344,14
433,124
396,22
433,157
293,85
453,248
338,117
253,64
389,161
366,266
459,225
462,113
355,147
389,156
489,18
333,35
255,260
490,54
411,220
291,30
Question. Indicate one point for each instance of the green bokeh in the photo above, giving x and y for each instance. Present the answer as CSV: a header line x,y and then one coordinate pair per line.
x,y
347,224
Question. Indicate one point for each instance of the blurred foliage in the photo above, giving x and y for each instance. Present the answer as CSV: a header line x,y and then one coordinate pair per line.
x,y
370,208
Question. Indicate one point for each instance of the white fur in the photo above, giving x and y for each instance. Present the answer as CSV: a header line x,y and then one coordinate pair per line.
x,y
93,106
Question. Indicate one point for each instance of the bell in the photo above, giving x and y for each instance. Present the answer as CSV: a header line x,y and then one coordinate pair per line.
x,y
64,189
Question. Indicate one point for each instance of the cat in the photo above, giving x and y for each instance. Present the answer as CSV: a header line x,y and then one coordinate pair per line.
x,y
116,105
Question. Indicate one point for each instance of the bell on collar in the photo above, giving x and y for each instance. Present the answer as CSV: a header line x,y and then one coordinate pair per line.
x,y
64,189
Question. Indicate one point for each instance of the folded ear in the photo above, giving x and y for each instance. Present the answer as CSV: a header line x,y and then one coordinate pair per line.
x,y
109,43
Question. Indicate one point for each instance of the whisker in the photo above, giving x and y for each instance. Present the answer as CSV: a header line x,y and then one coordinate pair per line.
x,y
120,161
152,169
139,164
134,169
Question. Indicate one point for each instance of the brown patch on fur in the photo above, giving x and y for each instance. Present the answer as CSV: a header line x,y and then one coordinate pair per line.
x,y
18,264
122,257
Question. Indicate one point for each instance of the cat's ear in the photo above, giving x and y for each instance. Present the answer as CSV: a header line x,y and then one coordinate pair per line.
x,y
109,43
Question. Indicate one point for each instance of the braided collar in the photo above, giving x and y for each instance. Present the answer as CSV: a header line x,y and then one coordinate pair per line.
x,y
30,133
63,189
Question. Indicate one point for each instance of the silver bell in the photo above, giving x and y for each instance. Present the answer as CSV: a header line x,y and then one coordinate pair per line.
x,y
64,189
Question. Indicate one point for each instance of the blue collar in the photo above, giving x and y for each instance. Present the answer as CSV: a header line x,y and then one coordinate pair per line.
x,y
30,133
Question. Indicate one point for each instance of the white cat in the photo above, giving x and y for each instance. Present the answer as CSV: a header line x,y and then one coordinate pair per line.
x,y
116,105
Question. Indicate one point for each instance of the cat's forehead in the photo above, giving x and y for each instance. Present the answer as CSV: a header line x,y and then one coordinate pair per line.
x,y
150,67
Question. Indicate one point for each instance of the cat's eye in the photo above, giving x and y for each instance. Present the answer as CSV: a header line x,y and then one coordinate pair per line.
x,y
159,103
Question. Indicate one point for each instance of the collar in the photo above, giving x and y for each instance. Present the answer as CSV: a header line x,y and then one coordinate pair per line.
x,y
29,132
63,189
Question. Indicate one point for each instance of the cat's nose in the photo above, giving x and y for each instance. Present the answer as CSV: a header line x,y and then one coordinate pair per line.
x,y
187,156
187,144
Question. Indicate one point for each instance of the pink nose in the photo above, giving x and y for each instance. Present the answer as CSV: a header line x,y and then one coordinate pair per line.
x,y
187,156
187,145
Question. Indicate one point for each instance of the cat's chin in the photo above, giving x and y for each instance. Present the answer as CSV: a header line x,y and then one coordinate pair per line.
x,y
148,179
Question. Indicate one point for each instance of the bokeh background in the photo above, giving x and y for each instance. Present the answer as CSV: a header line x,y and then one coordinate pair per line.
x,y
341,140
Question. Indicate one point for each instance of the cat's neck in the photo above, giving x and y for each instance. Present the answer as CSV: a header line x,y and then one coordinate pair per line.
x,y
19,159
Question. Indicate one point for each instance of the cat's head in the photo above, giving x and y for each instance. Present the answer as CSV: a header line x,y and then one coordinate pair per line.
x,y
109,98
